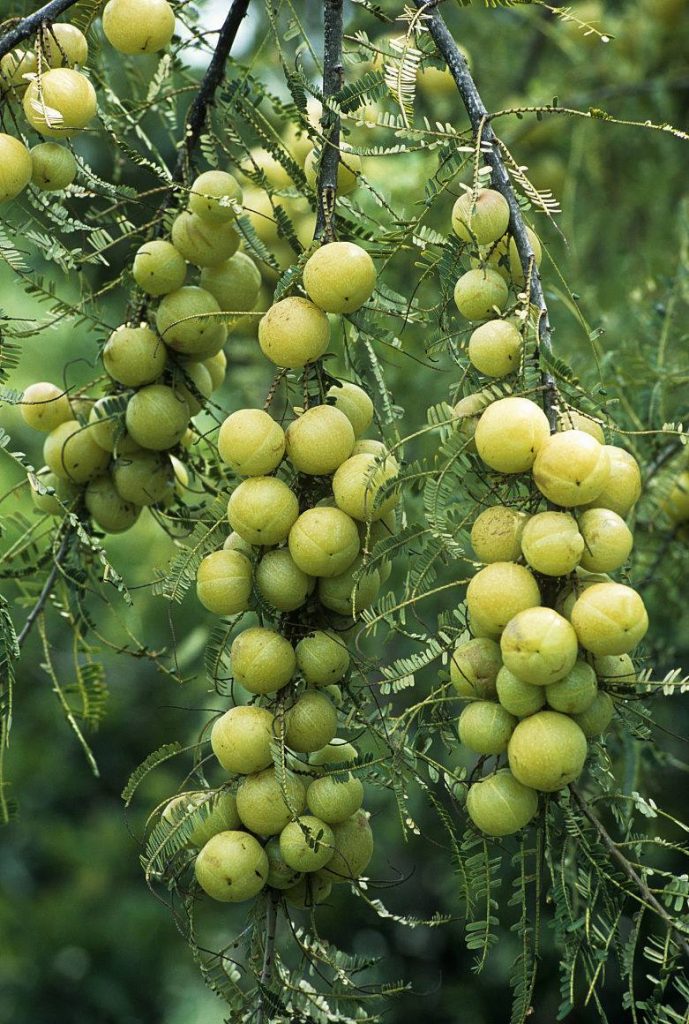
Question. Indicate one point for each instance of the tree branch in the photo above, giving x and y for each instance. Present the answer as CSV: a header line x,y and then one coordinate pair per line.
x,y
30,25
47,589
333,74
268,954
483,131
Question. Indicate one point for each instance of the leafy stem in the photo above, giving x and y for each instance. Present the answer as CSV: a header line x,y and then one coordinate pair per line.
x,y
47,588
333,73
30,25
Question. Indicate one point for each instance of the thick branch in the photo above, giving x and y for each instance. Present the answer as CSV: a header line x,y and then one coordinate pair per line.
x,y
268,954
483,130
30,25
47,589
333,73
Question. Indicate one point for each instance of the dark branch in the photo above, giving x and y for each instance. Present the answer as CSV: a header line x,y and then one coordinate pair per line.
x,y
268,954
483,130
333,73
47,589
30,25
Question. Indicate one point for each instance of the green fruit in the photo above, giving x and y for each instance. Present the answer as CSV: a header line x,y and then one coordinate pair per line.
x,y
219,815
596,718
496,535
485,727
217,368
348,170
510,433
338,752
500,805
72,453
481,217
280,874
263,510
539,646
53,167
311,722
281,582
65,44
322,658
615,669
353,842
608,541
355,404
474,667
15,167
676,505
15,67
516,696
293,332
188,321
515,263
498,592
146,478
138,26
478,293
576,692
235,285
307,843
134,356
65,492
223,582
157,417
552,544
324,541
334,801
571,468
251,442
44,406
232,866
368,446
202,243
361,487
241,739
547,751
159,268
236,543
609,618
466,414
319,441
60,103
193,382
346,595
264,807
212,196
623,487
495,348
263,661
107,509
571,419
339,277
309,892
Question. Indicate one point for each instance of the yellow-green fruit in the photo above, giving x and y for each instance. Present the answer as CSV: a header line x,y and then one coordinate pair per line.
x,y
193,382
596,718
307,844
44,406
235,285
510,433
15,67
134,356
334,801
241,739
576,692
202,243
516,696
217,369
138,26
232,866
515,263
223,582
500,805
293,332
218,815
322,658
236,543
349,596
615,669
65,44
623,486
479,292
496,535
482,217
107,508
281,582
188,321
146,478
319,441
324,541
608,540
64,492
53,167
15,167
280,874
263,661
212,196
571,419
571,468
339,277
353,842
311,890
338,752
157,417
485,727
368,446
311,723
495,348
539,646
547,751
361,487
60,103
498,592
552,543
474,667
609,618
676,505
264,807
355,404
72,453
251,442
159,268
348,170
263,510
467,412
581,580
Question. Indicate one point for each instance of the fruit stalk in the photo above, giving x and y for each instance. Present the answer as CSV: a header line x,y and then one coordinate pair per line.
x,y
332,83
47,588
30,25
268,954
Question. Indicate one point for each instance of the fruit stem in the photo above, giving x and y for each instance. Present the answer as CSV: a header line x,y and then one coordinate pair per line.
x,y
333,78
268,954
30,25
483,131
47,588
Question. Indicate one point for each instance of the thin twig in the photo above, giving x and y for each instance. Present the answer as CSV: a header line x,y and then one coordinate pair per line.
x,y
30,25
268,955
47,589
333,72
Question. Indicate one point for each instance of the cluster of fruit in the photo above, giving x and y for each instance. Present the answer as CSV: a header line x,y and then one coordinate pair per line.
x,y
549,632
